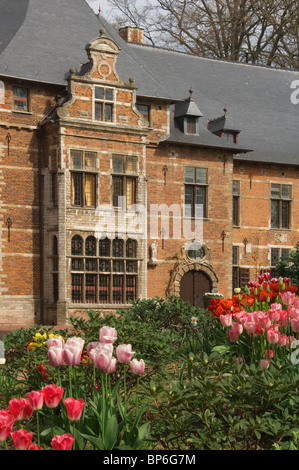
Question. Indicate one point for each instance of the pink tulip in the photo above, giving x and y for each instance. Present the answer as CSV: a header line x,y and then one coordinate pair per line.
x,y
287,297
237,327
239,317
56,355
284,318
111,367
296,302
36,400
55,341
124,353
74,408
100,357
265,321
137,367
108,335
20,409
295,325
264,363
233,335
282,340
226,320
293,311
250,327
72,354
272,336
63,442
21,439
274,314
91,346
75,341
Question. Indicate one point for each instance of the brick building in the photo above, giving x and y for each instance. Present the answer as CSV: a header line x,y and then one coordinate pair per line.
x,y
127,171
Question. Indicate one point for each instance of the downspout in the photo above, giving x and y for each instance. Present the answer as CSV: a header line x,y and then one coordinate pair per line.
x,y
39,134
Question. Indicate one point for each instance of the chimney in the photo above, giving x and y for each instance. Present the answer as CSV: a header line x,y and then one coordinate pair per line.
x,y
131,34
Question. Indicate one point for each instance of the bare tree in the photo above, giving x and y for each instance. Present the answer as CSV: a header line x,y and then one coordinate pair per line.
x,y
252,31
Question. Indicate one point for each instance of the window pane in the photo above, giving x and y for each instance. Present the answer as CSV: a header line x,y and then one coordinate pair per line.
x,y
109,94
285,253
274,256
77,246
117,248
235,211
90,288
77,264
21,99
55,288
118,266
99,111
131,248
131,288
118,164
274,214
90,190
130,191
76,159
90,160
235,259
90,246
144,110
117,188
191,125
99,93
275,190
108,112
189,175
77,280
90,265
201,175
104,247
76,189
131,165
104,289
189,201
286,191
131,267
285,214
117,294
104,266
236,188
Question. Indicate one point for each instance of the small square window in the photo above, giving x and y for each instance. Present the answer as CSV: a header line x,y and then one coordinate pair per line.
x,y
20,96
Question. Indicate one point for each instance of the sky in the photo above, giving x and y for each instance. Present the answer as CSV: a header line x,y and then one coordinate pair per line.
x,y
106,9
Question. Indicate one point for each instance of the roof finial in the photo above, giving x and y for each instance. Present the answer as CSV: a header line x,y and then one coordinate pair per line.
x,y
190,91
225,111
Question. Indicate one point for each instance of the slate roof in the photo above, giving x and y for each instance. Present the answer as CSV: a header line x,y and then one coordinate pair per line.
x,y
41,40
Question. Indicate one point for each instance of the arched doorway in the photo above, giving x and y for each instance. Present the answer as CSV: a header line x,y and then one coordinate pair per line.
x,y
194,284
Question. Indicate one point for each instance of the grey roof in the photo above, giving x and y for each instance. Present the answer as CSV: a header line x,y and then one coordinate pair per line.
x,y
187,108
42,39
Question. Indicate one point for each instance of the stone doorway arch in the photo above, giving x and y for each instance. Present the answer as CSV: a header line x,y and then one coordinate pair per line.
x,y
202,267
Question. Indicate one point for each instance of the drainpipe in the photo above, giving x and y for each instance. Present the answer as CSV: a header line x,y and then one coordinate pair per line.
x,y
39,134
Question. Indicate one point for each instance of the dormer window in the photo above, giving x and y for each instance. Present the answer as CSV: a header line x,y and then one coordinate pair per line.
x,y
230,137
191,124
104,103
186,116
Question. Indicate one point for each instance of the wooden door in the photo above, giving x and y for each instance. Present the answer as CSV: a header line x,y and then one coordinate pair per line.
x,y
194,285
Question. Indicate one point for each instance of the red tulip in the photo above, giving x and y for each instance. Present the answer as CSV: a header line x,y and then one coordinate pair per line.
x,y
36,400
52,395
74,408
6,424
63,442
21,439
34,447
20,409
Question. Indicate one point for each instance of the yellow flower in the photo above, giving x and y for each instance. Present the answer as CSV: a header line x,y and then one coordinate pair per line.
x,y
237,290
